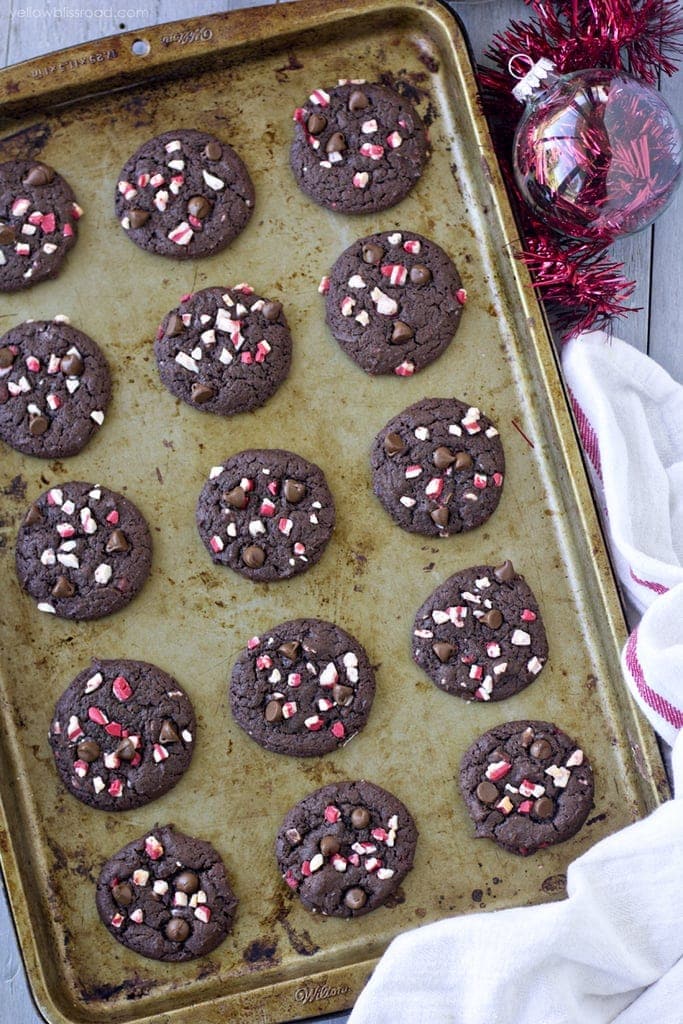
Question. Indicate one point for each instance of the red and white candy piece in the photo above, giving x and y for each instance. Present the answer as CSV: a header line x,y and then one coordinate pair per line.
x,y
153,848
498,770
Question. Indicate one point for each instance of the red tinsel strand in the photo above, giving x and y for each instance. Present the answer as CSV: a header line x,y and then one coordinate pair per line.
x,y
581,286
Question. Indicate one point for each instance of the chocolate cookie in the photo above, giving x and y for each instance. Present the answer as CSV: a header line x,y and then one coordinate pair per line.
x,y
38,216
303,688
54,388
346,848
358,147
83,551
166,896
480,634
266,513
438,467
122,734
526,785
224,350
184,194
393,302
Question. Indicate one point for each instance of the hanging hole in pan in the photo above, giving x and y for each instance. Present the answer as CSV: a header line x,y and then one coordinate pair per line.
x,y
141,48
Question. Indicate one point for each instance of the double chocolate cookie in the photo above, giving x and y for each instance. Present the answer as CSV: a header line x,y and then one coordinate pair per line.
x,y
480,634
303,688
224,350
266,513
122,734
346,848
393,302
83,551
358,147
166,896
438,467
54,388
526,785
184,194
38,218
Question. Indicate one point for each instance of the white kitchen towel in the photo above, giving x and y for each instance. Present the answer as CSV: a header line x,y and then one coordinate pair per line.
x,y
611,952
629,412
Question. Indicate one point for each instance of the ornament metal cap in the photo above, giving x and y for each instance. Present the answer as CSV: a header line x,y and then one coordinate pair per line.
x,y
536,74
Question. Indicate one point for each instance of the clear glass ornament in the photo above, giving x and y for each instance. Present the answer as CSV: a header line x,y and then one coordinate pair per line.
x,y
597,153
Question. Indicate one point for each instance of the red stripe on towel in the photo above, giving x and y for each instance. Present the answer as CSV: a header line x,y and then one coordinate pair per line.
x,y
589,438
658,588
665,710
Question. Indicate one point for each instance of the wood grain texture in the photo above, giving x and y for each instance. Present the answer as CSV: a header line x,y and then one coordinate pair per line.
x,y
652,258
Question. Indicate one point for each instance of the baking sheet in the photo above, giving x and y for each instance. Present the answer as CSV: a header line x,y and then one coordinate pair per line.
x,y
240,76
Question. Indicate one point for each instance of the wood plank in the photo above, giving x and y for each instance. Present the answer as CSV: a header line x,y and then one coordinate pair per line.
x,y
666,341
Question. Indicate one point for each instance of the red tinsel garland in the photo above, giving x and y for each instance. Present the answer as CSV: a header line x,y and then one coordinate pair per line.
x,y
581,286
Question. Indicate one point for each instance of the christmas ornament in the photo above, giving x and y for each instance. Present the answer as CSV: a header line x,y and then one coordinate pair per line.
x,y
596,154
581,286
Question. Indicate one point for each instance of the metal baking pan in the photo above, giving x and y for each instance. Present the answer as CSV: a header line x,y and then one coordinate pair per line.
x,y
240,76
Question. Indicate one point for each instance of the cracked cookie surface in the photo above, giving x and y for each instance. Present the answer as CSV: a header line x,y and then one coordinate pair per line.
x,y
526,785
480,634
438,467
166,896
184,194
122,734
393,302
224,350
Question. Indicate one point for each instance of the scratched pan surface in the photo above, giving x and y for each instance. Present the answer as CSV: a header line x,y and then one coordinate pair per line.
x,y
240,76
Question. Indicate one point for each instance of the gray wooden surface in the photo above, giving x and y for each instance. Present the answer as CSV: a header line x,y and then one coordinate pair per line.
x,y
653,258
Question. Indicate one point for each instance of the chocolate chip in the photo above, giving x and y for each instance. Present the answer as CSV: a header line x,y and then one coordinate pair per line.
x,y
199,207
294,491
71,364
401,333
290,649
487,793
394,444
39,175
343,695
63,588
117,543
213,151
271,310
463,460
355,898
419,274
177,929
316,124
188,882
33,516
125,749
372,253
88,751
174,326
202,393
253,556
527,737
7,234
506,572
443,457
444,652
360,817
540,749
336,143
329,845
138,218
358,101
37,425
236,498
168,733
440,516
493,619
123,894
273,712
543,808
